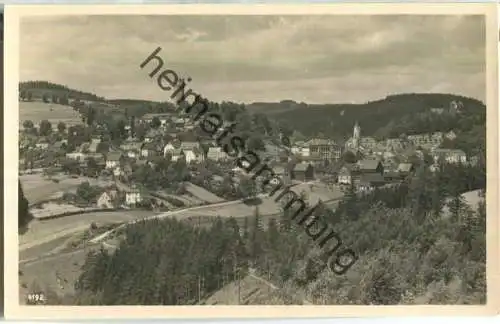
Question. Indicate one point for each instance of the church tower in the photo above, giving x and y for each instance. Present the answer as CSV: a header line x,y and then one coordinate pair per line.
x,y
356,135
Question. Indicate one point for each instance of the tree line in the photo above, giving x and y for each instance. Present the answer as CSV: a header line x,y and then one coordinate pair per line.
x,y
415,246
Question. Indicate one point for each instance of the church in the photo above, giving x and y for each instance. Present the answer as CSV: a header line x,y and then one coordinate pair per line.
x,y
353,143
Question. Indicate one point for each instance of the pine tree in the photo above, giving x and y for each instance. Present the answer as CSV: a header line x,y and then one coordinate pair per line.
x,y
24,216
256,236
351,204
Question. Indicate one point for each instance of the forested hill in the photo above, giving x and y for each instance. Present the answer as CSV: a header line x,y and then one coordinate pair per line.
x,y
388,117
37,89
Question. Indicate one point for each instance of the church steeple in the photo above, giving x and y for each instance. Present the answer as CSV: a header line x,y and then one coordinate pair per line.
x,y
356,135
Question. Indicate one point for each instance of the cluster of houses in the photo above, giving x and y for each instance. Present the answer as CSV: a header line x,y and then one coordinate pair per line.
x,y
382,161
115,197
327,149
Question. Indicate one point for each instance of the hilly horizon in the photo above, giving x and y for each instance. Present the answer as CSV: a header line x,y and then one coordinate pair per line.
x,y
39,86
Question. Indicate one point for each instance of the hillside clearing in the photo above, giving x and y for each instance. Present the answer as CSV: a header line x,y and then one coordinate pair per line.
x,y
37,111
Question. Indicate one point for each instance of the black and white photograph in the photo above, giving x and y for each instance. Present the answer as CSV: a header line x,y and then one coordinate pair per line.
x,y
253,158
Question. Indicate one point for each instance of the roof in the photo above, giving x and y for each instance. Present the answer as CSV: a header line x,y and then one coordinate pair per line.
x,y
154,133
149,146
320,141
114,156
279,170
93,146
372,178
405,167
189,145
84,147
112,194
391,174
95,155
131,146
448,151
346,169
301,167
151,116
368,164
176,151
59,144
215,150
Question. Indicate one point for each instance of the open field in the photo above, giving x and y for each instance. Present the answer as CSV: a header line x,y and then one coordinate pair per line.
x,y
38,250
202,193
37,188
37,111
41,232
51,208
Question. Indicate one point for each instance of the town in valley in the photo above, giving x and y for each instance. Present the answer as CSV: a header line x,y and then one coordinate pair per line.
x,y
129,202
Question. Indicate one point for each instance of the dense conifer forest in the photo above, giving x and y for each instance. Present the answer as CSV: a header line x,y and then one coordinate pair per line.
x,y
410,251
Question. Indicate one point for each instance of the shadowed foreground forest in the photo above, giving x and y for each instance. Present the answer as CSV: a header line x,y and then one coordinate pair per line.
x,y
418,243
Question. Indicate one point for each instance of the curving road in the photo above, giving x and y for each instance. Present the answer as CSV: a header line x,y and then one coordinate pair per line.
x,y
42,233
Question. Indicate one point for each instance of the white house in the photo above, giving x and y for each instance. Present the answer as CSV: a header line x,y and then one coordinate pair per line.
x,y
176,154
345,176
450,135
108,199
449,155
193,156
190,156
42,145
169,148
132,149
148,150
216,154
113,160
117,172
296,149
133,197
78,156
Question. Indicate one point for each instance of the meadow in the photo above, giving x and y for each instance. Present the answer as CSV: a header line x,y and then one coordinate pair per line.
x,y
37,111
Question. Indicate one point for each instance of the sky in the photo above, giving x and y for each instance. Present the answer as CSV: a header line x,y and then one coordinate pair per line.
x,y
312,59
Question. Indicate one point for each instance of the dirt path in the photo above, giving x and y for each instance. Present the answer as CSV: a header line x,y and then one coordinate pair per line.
x,y
251,273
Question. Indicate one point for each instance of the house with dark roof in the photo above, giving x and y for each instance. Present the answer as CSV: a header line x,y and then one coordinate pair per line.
x,y
153,134
370,166
345,175
369,181
113,160
164,118
132,149
176,154
303,172
392,176
149,149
